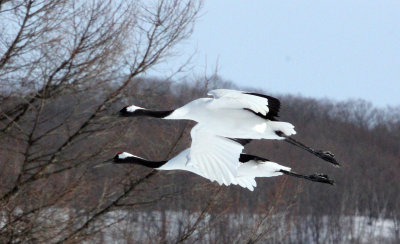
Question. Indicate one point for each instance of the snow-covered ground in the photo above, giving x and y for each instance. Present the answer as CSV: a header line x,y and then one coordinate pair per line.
x,y
126,226
141,226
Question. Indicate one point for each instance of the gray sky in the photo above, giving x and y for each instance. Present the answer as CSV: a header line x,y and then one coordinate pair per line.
x,y
331,48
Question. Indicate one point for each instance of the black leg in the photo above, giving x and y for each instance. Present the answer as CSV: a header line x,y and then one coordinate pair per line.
x,y
325,155
315,177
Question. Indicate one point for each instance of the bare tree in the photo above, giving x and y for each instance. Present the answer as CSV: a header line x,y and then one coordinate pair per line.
x,y
63,64
67,66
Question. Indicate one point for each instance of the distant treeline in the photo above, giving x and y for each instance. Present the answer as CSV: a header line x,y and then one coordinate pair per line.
x,y
58,164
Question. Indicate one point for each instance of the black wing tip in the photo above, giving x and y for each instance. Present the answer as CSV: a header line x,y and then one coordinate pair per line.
x,y
269,116
273,101
244,158
274,106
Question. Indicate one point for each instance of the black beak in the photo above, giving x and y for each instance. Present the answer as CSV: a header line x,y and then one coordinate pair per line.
x,y
104,163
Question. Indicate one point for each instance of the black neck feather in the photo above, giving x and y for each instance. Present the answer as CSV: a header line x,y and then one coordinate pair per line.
x,y
144,112
141,161
155,114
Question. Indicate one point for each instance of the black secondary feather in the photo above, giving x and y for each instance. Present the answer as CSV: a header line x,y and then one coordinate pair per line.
x,y
273,106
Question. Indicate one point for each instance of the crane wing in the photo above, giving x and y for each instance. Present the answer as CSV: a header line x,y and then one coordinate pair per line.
x,y
245,182
216,157
262,105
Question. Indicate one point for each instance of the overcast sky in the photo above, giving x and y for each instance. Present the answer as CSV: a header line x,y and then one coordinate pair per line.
x,y
334,49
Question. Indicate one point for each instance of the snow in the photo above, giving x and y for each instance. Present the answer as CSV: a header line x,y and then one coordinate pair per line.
x,y
130,226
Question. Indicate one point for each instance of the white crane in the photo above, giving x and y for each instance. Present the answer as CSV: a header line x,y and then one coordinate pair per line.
x,y
251,167
219,159
234,114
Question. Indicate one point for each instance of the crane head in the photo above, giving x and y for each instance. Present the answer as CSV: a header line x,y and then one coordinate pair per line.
x,y
119,157
130,111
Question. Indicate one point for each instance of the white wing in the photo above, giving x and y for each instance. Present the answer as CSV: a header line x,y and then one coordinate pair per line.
x,y
245,182
258,103
216,157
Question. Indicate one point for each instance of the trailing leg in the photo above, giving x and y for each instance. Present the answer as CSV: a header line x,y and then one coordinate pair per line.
x,y
323,178
325,155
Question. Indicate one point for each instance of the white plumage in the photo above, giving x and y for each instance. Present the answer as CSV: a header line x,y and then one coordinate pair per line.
x,y
246,100
214,154
230,113
234,114
218,159
246,171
